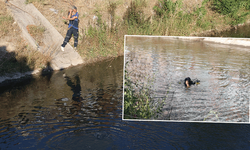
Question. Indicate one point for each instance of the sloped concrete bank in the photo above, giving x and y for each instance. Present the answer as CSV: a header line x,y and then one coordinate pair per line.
x,y
27,14
241,42
221,40
245,42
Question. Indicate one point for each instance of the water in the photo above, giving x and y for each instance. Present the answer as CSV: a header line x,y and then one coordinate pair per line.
x,y
40,113
84,100
223,93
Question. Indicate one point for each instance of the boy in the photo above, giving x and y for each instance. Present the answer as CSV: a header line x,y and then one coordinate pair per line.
x,y
73,27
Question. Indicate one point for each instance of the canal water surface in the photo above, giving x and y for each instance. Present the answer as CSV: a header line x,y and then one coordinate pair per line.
x,y
223,71
81,107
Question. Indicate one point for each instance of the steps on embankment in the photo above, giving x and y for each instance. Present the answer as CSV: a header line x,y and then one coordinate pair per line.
x,y
28,14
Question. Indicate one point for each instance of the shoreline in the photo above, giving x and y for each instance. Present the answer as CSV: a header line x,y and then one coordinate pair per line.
x,y
12,77
243,42
195,36
208,33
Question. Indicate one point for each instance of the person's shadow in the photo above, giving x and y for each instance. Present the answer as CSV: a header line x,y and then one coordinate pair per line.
x,y
76,97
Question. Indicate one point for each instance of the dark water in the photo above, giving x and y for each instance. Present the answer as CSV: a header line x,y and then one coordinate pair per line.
x,y
41,114
223,93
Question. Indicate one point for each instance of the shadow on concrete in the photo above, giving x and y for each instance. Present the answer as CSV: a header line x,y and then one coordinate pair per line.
x,y
10,62
3,48
14,71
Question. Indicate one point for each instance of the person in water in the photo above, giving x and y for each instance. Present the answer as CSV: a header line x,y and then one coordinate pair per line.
x,y
188,82
72,28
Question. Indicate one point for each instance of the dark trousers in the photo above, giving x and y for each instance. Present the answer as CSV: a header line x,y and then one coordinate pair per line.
x,y
68,37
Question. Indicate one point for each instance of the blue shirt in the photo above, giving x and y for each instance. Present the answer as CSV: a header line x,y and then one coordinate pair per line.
x,y
74,23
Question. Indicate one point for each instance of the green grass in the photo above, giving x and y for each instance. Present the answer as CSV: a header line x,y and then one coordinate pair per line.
x,y
237,10
101,41
211,114
138,100
170,18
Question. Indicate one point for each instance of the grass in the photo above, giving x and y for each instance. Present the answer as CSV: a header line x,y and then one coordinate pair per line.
x,y
23,58
212,113
236,10
5,22
170,18
37,33
101,41
103,37
139,101
31,1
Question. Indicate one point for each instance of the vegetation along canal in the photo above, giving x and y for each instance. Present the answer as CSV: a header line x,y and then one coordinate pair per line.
x,y
46,112
223,71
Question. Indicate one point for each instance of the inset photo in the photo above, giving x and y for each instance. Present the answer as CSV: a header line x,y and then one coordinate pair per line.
x,y
186,79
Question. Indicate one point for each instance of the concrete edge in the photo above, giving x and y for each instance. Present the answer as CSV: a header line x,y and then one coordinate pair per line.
x,y
221,40
13,76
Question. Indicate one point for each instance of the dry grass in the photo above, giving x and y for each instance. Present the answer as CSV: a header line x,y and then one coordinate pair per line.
x,y
20,57
6,21
37,33
34,58
23,59
108,42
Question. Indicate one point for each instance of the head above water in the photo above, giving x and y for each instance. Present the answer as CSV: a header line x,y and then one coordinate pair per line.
x,y
188,82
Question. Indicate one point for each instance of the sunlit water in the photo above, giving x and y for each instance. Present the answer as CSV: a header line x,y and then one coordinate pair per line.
x,y
223,71
40,114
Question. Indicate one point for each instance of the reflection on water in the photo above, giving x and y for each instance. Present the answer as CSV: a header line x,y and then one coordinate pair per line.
x,y
223,93
83,100
43,114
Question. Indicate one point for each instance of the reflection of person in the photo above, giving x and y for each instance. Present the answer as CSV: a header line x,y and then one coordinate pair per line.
x,y
76,97
76,88
73,27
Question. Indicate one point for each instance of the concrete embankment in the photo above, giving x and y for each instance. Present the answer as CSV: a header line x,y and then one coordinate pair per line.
x,y
220,40
27,14
245,42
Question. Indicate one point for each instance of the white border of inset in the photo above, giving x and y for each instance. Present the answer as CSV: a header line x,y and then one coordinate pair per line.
x,y
245,42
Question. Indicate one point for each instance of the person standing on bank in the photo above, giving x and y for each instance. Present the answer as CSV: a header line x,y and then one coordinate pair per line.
x,y
72,28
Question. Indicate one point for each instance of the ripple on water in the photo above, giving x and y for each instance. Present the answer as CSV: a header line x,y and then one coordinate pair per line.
x,y
221,92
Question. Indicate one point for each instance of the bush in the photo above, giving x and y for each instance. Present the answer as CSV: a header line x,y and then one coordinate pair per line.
x,y
200,13
233,9
166,7
134,14
100,41
140,104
